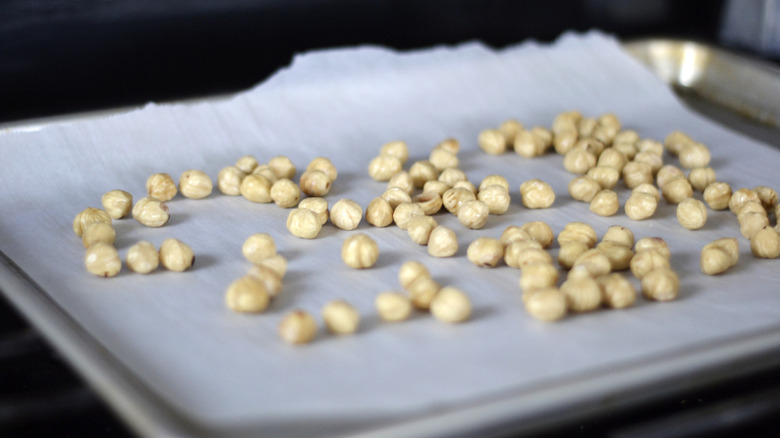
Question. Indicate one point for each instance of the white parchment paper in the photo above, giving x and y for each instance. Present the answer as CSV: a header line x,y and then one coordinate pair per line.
x,y
223,369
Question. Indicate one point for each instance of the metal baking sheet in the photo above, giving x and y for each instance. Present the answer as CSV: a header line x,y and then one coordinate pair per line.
x,y
501,371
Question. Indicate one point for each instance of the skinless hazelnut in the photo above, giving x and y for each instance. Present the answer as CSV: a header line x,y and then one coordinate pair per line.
x,y
611,122
606,176
282,166
540,232
751,223
675,141
340,317
619,255
629,150
422,172
668,173
277,263
229,180
765,243
297,327
579,161
466,185
586,126
258,246
640,206
405,212
528,145
396,196
605,203
195,184
303,223
655,243
266,171
701,177
443,159
767,195
661,284
616,291
751,207
591,145
429,201
620,235
176,255
102,259
151,212
485,252
538,276
544,135
247,295
161,186
719,255
519,254
650,146
346,214
584,188
87,217
694,155
647,189
379,213
455,197
270,279
473,214
324,165
117,203
578,232
564,141
256,188
509,129
692,214
514,233
247,163
393,306
383,167
452,175
315,183
582,294
536,193
677,190
143,257
397,148
403,181
492,141
422,292
646,261
317,205
410,271
595,262
451,305
436,187
98,232
494,180
654,161
285,193
566,121
419,229
449,144
569,252
636,173
740,198
359,251
613,158
547,304
443,242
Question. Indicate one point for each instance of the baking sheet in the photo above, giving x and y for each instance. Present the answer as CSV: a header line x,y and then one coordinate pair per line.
x,y
219,372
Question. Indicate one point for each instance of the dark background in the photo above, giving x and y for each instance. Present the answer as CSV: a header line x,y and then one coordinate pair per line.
x,y
60,57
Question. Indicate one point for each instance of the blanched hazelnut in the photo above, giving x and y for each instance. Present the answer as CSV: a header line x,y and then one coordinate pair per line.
x,y
256,188
605,203
582,294
485,252
102,259
453,198
303,223
701,177
578,232
451,305
422,172
546,304
616,291
395,196
151,212
655,243
661,284
677,190
536,193
691,213
419,229
324,165
315,183
443,159
98,232
405,212
451,175
229,180
285,193
340,317
584,188
143,257
319,206
298,327
422,291
379,213
647,260
258,246
636,173
540,232
411,271
195,184
117,203
87,217
430,202
282,166
473,214
383,167
346,214
443,242
403,181
765,243
393,306
247,163
359,251
397,148
492,141
247,295
161,186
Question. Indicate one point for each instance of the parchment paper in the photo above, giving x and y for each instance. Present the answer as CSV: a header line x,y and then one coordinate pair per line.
x,y
223,369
